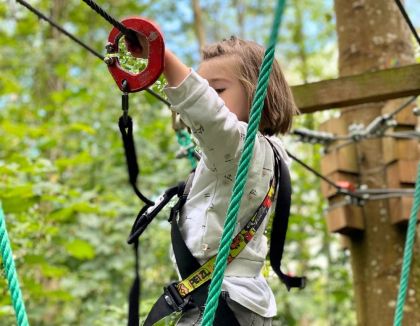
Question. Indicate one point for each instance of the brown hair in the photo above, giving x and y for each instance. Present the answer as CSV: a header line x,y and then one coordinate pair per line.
x,y
279,105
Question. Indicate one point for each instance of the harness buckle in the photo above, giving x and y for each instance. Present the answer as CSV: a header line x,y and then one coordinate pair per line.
x,y
174,299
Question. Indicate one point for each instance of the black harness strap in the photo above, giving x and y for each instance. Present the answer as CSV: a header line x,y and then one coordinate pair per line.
x,y
144,217
185,261
134,296
281,222
125,123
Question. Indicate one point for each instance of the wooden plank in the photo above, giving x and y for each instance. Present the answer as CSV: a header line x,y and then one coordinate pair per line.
x,y
402,173
400,149
343,159
400,210
351,90
346,219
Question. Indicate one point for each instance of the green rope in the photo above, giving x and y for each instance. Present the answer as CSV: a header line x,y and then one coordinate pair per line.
x,y
242,172
185,141
408,252
11,275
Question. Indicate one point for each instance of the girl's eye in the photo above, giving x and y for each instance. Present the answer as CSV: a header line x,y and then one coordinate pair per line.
x,y
220,90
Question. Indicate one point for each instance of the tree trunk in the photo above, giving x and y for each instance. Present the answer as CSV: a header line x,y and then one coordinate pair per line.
x,y
299,39
372,35
198,24
240,7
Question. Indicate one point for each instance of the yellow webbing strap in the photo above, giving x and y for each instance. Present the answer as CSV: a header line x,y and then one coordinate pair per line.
x,y
204,273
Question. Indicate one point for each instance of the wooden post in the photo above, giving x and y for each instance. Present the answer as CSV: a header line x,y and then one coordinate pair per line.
x,y
373,36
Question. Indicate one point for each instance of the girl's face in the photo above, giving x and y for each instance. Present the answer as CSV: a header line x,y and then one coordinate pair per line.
x,y
221,73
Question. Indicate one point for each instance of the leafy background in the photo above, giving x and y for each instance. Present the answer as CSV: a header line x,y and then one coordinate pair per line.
x,y
63,182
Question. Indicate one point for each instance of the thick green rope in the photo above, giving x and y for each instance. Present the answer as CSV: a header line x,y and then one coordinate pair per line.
x,y
408,252
242,172
11,275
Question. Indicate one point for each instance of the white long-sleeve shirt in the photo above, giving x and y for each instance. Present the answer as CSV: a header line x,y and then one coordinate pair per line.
x,y
221,136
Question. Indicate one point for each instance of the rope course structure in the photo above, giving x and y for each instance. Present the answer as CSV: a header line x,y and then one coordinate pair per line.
x,y
356,196
82,44
375,129
303,135
358,132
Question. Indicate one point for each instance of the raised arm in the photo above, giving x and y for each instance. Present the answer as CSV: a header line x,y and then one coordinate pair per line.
x,y
218,130
175,70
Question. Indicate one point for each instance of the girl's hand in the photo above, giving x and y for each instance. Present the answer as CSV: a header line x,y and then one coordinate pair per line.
x,y
174,70
140,50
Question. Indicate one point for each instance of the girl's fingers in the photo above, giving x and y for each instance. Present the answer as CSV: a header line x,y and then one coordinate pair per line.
x,y
141,51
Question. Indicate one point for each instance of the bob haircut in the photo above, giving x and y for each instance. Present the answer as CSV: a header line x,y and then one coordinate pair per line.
x,y
279,105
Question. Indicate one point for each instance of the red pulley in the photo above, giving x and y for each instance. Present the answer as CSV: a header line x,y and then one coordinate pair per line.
x,y
137,82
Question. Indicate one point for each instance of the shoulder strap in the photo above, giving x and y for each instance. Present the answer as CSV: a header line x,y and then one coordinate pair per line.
x,y
281,221
185,261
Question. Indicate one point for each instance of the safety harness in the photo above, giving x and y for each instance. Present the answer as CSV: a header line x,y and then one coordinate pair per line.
x,y
192,290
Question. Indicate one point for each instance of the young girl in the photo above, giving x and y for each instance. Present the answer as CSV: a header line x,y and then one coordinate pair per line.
x,y
214,102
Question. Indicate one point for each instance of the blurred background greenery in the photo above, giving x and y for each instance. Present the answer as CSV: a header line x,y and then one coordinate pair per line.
x,y
63,181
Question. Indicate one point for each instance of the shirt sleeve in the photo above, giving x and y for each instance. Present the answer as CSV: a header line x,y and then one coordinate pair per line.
x,y
218,131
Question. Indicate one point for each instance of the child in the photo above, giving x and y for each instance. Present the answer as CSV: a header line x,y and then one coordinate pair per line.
x,y
215,103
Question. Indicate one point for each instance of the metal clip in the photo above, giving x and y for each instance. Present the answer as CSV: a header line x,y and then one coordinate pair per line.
x,y
110,58
173,298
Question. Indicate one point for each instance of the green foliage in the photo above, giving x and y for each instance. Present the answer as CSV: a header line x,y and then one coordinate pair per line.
x,y
63,180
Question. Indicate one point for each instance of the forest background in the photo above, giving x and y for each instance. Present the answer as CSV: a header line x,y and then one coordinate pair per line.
x,y
63,181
